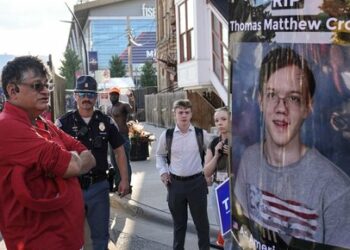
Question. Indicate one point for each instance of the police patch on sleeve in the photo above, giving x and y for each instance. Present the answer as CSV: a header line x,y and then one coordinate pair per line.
x,y
58,123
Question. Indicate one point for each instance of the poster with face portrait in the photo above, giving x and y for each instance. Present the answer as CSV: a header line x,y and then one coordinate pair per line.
x,y
290,81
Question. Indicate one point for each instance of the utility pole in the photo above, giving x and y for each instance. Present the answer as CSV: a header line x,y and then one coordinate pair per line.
x,y
129,36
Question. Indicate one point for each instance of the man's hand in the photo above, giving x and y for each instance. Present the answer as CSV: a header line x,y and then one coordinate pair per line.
x,y
123,188
87,161
74,166
209,180
165,179
124,185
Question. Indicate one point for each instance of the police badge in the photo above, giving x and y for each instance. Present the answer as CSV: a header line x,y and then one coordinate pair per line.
x,y
102,126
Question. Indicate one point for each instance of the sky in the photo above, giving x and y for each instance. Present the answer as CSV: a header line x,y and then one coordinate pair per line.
x,y
34,27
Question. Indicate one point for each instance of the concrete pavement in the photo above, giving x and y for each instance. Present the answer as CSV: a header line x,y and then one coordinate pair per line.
x,y
148,198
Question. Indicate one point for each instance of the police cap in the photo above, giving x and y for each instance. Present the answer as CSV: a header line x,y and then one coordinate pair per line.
x,y
86,84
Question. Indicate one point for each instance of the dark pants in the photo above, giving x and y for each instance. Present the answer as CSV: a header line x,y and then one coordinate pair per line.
x,y
97,206
117,176
192,194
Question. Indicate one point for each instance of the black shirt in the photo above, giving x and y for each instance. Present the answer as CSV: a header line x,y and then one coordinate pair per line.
x,y
222,162
95,135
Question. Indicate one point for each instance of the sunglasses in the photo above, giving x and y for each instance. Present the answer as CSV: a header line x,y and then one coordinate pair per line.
x,y
88,95
39,86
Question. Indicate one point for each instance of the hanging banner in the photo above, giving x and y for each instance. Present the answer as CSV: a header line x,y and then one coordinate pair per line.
x,y
290,81
93,62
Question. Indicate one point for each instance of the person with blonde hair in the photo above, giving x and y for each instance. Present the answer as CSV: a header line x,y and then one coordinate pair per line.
x,y
216,160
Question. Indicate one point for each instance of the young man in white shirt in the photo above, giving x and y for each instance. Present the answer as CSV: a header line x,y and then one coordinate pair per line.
x,y
183,176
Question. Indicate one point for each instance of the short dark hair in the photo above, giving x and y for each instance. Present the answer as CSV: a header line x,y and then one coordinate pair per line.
x,y
184,103
14,70
280,58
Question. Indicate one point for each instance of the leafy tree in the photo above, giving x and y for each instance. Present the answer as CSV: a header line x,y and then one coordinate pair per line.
x,y
148,76
70,64
336,8
117,67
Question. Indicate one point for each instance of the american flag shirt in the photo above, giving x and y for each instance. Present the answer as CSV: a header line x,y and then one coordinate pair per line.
x,y
282,216
309,199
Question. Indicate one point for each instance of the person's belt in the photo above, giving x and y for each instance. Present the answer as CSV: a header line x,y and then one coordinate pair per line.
x,y
97,178
87,179
185,178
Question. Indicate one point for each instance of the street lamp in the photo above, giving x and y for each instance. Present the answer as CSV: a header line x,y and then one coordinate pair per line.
x,y
82,38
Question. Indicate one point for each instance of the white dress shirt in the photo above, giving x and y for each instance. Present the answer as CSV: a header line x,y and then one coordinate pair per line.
x,y
185,159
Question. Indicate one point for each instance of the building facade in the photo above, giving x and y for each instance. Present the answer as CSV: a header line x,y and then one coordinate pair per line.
x,y
202,32
166,45
192,58
126,28
192,45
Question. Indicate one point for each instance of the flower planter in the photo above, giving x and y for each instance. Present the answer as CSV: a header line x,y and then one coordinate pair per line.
x,y
139,149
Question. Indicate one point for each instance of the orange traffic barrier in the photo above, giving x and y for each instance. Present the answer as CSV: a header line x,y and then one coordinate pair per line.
x,y
220,240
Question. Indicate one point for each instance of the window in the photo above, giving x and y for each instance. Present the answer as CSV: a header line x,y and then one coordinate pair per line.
x,y
108,36
186,31
220,50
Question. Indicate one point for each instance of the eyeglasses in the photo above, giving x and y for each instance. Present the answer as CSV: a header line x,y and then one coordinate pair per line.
x,y
293,100
341,121
87,94
39,86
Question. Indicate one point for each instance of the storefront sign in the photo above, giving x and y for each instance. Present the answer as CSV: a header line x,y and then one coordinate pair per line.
x,y
148,11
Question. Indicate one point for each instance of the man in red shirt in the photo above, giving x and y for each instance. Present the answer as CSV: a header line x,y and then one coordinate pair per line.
x,y
41,204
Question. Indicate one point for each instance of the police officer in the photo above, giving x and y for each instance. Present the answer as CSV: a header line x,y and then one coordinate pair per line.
x,y
95,130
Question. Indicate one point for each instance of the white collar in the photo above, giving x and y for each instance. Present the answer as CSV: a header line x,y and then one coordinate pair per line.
x,y
177,129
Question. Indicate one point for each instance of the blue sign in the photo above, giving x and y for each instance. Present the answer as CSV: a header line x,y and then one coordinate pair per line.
x,y
223,204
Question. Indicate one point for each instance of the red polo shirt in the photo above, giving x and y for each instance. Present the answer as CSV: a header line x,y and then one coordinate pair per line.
x,y
38,208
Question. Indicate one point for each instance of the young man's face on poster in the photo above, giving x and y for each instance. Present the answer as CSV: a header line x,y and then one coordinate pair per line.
x,y
285,105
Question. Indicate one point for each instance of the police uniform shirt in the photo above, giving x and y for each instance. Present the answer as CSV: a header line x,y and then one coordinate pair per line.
x,y
95,135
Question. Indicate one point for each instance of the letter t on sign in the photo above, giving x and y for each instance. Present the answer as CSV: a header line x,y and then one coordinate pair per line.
x,y
226,203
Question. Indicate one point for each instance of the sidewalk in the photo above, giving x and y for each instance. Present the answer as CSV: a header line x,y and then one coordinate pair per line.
x,y
148,198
